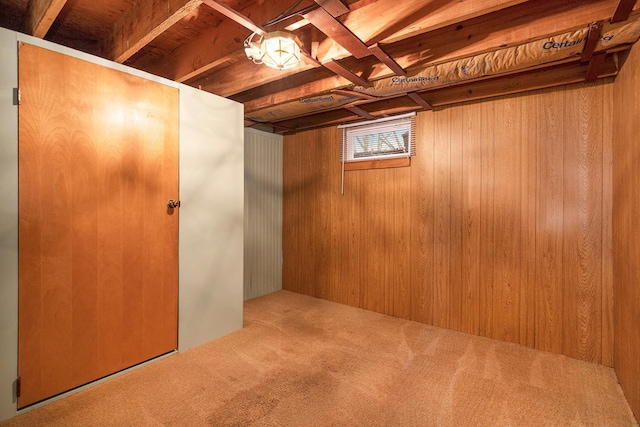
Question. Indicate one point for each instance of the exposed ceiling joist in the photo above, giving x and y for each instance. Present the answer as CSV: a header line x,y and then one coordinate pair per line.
x,y
419,100
333,28
387,60
359,111
343,72
234,16
592,40
594,67
334,7
144,22
623,10
41,14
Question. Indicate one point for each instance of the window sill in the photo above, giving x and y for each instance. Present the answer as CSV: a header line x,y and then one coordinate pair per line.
x,y
378,164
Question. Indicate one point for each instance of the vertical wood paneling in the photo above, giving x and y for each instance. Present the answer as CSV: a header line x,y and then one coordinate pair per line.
x,y
626,222
455,232
487,199
507,220
550,220
471,205
528,215
483,218
607,228
422,220
442,219
399,265
583,225
262,213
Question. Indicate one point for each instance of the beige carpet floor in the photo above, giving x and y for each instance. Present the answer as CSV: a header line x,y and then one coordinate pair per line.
x,y
301,361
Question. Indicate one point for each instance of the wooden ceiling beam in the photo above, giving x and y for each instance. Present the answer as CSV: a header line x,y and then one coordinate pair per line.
x,y
419,100
387,60
40,16
594,67
143,23
592,40
360,112
623,10
234,15
334,7
336,31
344,72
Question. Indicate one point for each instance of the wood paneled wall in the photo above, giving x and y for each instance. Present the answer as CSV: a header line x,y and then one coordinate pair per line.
x,y
626,223
501,227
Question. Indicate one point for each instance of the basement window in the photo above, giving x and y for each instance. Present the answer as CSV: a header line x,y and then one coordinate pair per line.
x,y
383,143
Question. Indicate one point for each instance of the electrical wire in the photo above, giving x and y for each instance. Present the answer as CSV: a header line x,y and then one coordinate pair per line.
x,y
286,14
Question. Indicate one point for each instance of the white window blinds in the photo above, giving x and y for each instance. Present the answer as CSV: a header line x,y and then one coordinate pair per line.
x,y
385,138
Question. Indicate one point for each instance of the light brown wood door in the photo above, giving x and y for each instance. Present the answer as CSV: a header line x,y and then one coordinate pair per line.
x,y
98,248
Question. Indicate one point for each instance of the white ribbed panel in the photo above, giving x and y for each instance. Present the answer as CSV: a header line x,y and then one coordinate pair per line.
x,y
262,213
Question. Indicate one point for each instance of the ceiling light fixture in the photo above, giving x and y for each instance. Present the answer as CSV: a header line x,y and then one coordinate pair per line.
x,y
278,49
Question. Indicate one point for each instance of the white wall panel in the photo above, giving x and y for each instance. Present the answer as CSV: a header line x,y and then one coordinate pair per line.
x,y
263,213
211,217
8,223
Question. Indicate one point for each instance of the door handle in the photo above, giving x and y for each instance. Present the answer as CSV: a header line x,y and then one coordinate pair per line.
x,y
172,204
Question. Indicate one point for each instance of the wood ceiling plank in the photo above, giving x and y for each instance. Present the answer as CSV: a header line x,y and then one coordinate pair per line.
x,y
333,28
334,7
41,14
143,23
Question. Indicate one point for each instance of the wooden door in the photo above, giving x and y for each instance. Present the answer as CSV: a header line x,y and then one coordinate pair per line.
x,y
98,248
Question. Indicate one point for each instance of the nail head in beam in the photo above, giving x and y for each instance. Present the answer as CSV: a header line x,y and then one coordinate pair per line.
x,y
419,100
343,72
334,7
594,67
234,16
334,29
360,112
387,60
595,29
623,10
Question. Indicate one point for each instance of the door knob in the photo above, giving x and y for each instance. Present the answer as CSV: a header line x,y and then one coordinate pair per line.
x,y
172,204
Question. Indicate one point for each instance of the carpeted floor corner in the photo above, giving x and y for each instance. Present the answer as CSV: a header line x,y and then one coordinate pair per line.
x,y
301,361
